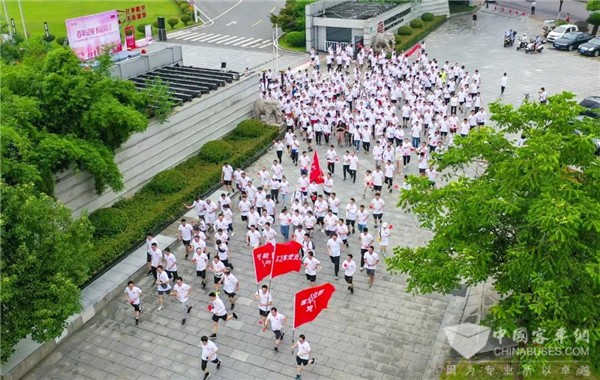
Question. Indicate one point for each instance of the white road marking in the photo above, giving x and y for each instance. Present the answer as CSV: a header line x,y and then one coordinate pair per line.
x,y
256,23
244,41
236,40
207,37
235,5
229,39
231,23
272,10
179,33
215,38
262,44
252,42
196,37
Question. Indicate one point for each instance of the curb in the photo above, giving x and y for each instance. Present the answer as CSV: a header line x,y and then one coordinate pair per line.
x,y
276,43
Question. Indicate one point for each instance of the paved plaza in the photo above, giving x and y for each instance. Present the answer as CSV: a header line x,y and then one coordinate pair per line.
x,y
383,333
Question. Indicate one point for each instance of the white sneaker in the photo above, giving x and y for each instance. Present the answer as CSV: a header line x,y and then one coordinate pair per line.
x,y
160,307
232,233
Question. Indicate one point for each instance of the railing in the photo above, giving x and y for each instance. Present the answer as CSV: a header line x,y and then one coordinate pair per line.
x,y
334,44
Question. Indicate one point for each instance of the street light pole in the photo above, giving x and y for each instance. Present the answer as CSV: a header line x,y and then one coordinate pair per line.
x,y
7,18
22,19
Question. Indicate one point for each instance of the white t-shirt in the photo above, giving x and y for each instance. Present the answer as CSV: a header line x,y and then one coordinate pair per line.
x,y
377,178
351,210
253,238
371,260
186,231
133,294
156,257
276,321
349,267
270,235
171,262
201,260
365,240
182,291
265,300
229,283
335,247
303,350
227,172
310,265
218,307
209,351
164,278
378,205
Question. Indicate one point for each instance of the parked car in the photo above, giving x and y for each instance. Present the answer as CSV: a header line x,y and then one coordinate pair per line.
x,y
591,106
592,47
571,41
560,31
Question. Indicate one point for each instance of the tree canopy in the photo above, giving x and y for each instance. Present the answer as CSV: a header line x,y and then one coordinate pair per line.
x,y
530,223
593,6
58,115
291,17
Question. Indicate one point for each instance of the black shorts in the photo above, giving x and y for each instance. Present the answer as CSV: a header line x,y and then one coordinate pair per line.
x,y
205,363
227,183
377,216
278,334
230,295
311,277
320,219
377,187
244,218
300,361
348,279
161,292
350,222
388,180
370,272
263,313
444,133
186,242
422,170
216,318
136,307
201,273
148,257
217,279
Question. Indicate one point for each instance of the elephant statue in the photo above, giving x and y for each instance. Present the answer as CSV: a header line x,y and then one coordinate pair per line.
x,y
268,108
384,41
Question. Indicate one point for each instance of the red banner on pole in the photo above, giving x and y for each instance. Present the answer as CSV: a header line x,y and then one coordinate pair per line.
x,y
413,50
286,258
263,261
316,174
310,302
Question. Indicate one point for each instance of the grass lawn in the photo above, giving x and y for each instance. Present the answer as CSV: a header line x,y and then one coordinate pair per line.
x,y
458,8
56,12
404,43
284,45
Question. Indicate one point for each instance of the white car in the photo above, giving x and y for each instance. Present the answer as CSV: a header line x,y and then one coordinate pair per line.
x,y
560,31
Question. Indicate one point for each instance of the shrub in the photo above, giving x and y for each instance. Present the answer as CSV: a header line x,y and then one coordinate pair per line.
x,y
216,152
582,26
62,41
166,182
172,22
427,16
49,37
559,22
405,30
398,39
186,18
141,28
416,24
296,39
419,35
248,129
184,5
155,24
108,222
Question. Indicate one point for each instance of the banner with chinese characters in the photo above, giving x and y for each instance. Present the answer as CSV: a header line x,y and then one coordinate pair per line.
x,y
286,259
310,302
89,35
263,261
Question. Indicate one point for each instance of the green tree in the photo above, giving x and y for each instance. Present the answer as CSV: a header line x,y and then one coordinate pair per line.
x,y
530,223
593,6
44,261
291,17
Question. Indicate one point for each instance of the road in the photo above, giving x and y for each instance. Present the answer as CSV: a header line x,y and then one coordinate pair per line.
x,y
238,24
548,9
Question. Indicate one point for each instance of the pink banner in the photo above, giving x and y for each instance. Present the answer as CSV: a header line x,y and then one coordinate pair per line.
x,y
90,35
413,50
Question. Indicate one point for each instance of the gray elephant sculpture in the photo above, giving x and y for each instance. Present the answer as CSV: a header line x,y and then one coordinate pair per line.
x,y
384,41
268,108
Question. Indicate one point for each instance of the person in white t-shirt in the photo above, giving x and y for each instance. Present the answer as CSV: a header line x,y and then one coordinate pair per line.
x,y
218,310
227,176
269,234
334,249
302,355
170,264
163,283
182,292
377,205
331,157
201,260
133,297
389,174
253,237
349,268
185,235
278,322
265,301
209,353
311,265
371,261
149,241
230,286
384,238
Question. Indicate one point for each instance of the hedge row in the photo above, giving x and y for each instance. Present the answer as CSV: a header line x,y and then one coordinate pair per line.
x,y
123,227
405,42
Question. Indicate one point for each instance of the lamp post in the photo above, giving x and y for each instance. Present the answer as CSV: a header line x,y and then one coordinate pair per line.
x,y
22,19
7,18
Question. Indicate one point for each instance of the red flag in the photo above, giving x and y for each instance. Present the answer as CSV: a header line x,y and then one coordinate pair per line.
x,y
413,50
286,258
316,174
263,261
310,302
